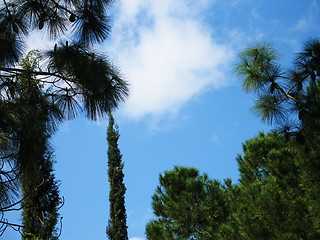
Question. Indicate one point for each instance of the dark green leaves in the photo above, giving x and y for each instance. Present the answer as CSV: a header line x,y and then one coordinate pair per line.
x,y
188,205
117,224
11,47
271,200
91,76
38,93
284,97
87,19
91,26
269,110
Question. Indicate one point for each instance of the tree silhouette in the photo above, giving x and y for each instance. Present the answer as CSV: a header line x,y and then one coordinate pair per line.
x,y
68,79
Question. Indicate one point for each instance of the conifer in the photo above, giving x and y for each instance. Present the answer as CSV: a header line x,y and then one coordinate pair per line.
x,y
117,225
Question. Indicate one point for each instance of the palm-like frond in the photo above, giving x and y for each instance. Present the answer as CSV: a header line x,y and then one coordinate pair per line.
x,y
269,110
92,24
13,22
95,79
11,48
56,23
104,3
44,14
297,79
67,103
311,50
257,67
308,60
31,10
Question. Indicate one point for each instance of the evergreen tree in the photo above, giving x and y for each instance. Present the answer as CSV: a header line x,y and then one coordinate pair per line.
x,y
188,206
73,72
271,200
34,157
74,78
278,194
288,98
117,225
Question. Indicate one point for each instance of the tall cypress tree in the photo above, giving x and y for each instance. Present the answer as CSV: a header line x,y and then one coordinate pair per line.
x,y
117,225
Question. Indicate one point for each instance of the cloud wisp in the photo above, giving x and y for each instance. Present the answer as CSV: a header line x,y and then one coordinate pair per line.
x,y
168,54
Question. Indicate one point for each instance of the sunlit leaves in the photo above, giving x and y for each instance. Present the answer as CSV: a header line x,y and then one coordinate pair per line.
x,y
284,97
268,108
258,66
188,205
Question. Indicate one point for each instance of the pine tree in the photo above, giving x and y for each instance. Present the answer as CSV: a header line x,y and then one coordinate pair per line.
x,y
290,100
90,82
34,157
117,225
187,205
287,98
40,191
75,78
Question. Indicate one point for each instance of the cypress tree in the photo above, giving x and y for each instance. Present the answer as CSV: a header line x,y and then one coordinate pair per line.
x,y
117,225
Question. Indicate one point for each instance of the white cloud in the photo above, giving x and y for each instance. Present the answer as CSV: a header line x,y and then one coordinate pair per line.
x,y
167,53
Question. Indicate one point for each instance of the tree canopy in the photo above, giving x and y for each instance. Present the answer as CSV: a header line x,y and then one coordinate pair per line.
x,y
188,206
41,89
277,195
287,98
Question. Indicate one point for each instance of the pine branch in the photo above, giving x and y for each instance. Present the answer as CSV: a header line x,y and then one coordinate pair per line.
x,y
7,8
40,73
64,8
12,224
286,93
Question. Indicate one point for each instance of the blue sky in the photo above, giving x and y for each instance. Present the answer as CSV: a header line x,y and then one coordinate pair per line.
x,y
186,105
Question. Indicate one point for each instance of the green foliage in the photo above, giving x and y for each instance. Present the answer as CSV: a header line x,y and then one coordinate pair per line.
x,y
44,88
117,225
90,76
34,157
76,77
288,98
188,206
258,66
277,196
41,202
278,193
87,20
270,200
